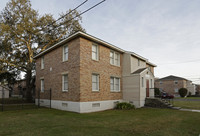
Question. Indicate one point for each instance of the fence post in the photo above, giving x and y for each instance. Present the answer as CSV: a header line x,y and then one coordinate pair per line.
x,y
50,98
2,103
38,98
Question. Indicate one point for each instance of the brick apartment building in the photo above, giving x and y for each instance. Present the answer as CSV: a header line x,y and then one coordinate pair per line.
x,y
171,84
87,74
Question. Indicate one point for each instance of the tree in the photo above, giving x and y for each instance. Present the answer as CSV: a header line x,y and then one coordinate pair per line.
x,y
156,91
10,78
24,33
183,92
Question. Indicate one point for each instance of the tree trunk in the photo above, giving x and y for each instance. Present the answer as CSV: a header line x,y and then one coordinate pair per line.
x,y
28,85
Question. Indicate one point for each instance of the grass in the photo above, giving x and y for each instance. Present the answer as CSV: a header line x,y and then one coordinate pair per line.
x,y
188,98
188,104
140,122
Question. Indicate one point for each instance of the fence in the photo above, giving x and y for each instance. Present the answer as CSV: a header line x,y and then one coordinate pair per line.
x,y
18,101
44,98
14,102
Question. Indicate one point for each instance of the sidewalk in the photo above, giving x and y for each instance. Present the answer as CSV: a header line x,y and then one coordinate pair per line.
x,y
190,110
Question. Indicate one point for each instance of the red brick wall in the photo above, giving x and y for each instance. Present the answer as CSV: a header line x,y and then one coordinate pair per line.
x,y
80,67
53,79
103,68
169,86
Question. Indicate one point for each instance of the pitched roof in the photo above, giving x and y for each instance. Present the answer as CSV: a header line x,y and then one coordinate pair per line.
x,y
139,71
75,35
171,77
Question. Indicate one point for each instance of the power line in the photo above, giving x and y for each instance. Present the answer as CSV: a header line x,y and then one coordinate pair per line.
x,y
76,15
83,12
68,12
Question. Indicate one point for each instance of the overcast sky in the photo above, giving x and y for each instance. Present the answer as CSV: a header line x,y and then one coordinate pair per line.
x,y
167,32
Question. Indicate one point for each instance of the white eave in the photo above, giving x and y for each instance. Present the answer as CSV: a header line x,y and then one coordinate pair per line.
x,y
80,34
142,58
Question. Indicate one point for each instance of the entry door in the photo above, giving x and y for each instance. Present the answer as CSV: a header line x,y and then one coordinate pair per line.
x,y
147,88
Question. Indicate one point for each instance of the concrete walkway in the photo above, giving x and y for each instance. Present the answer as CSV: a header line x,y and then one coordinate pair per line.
x,y
190,110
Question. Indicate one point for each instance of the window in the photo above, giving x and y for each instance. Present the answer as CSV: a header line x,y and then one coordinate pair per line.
x,y
114,84
95,52
65,53
151,83
176,90
175,82
161,83
117,59
114,58
142,81
95,82
42,85
138,62
42,62
65,82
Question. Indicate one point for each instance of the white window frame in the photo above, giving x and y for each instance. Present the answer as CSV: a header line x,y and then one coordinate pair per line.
x,y
42,85
63,83
175,90
96,52
97,82
175,82
151,83
114,84
116,56
64,53
42,62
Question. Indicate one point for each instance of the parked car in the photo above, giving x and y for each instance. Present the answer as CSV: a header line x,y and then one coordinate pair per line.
x,y
165,95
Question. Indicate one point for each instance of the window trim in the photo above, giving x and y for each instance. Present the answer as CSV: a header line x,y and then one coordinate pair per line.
x,y
98,82
42,85
97,52
65,53
63,82
151,83
142,82
115,55
42,62
176,82
114,83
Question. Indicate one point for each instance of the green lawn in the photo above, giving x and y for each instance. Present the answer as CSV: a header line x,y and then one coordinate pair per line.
x,y
140,122
188,98
188,104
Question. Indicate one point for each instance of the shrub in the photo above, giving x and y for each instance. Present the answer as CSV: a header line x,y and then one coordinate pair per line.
x,y
156,91
183,92
124,106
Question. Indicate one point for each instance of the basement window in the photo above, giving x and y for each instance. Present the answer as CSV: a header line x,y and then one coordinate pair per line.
x,y
95,105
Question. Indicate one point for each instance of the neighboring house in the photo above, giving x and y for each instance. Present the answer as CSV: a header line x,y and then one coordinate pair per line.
x,y
198,89
87,74
171,84
4,91
19,88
